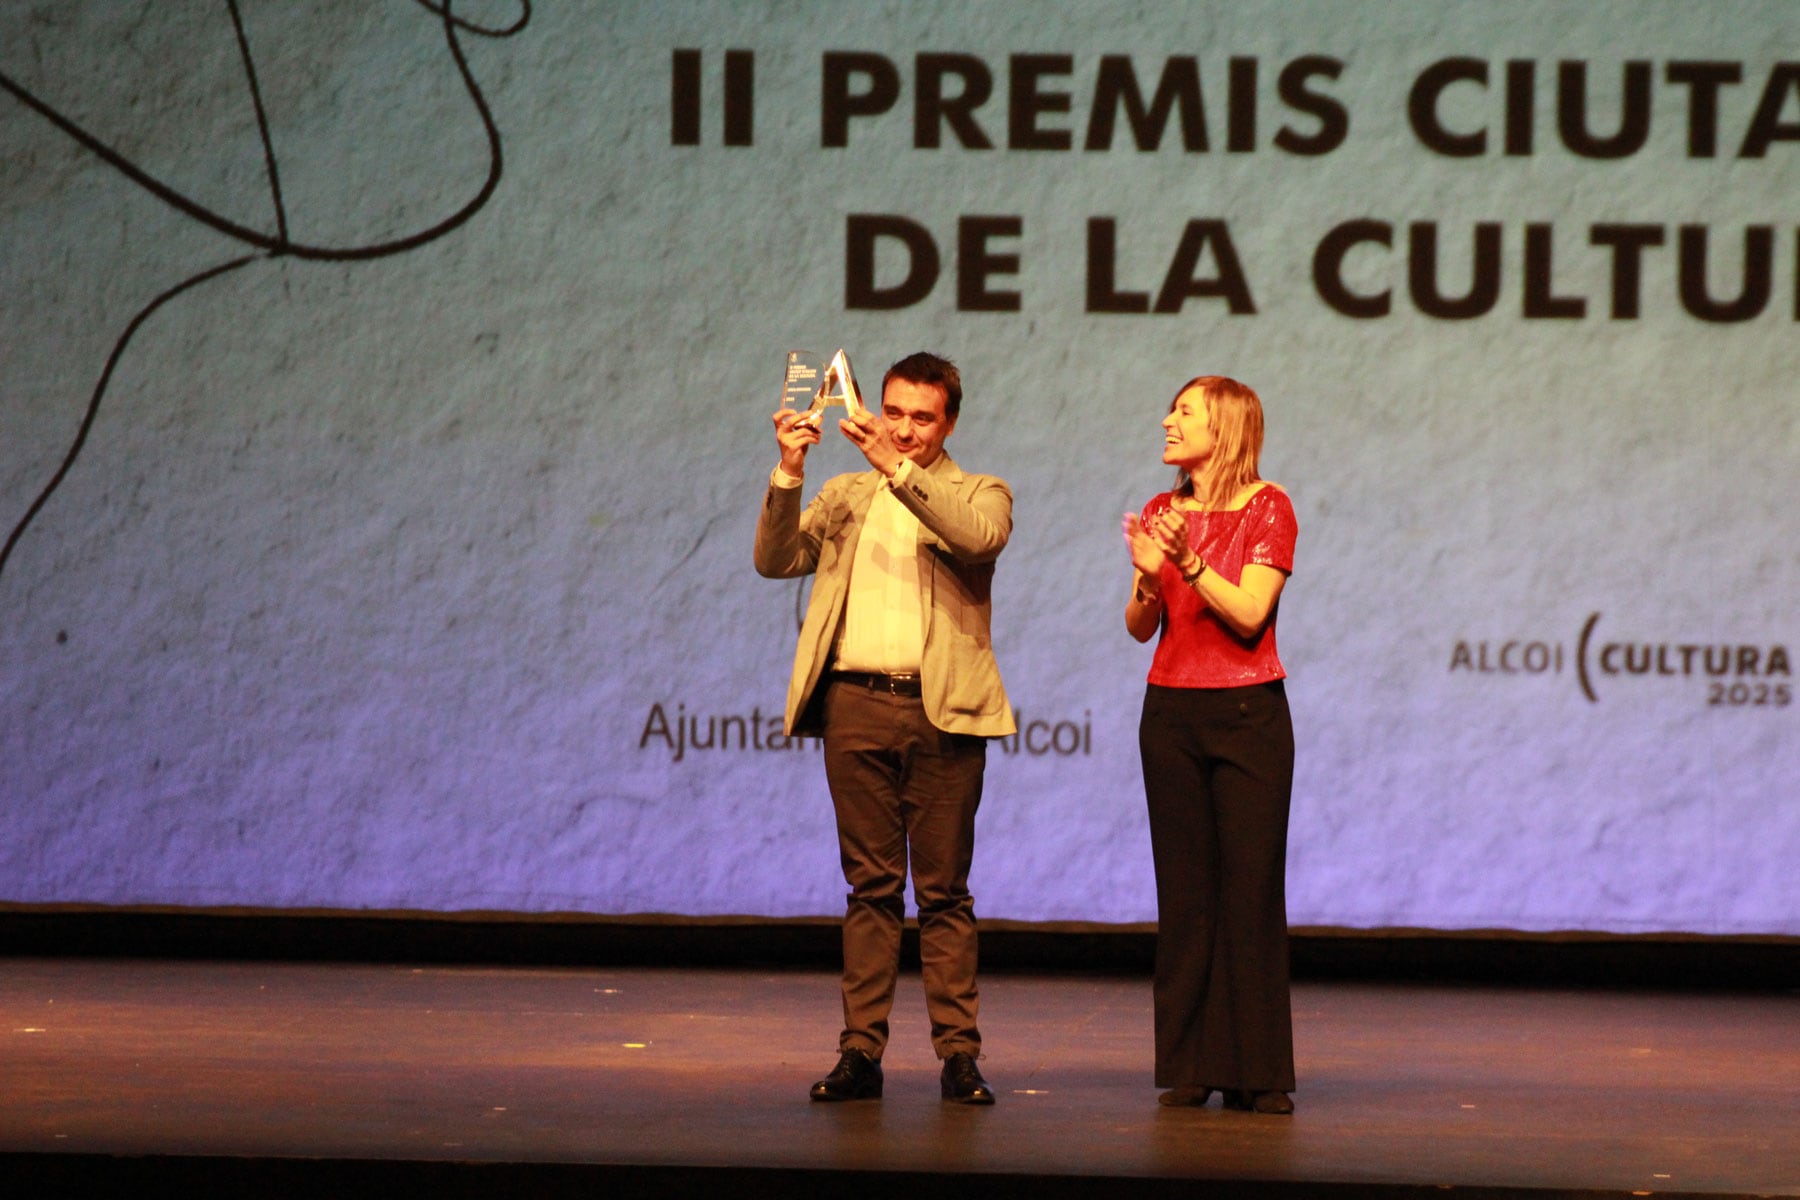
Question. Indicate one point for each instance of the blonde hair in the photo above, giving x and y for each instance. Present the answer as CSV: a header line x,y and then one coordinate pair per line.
x,y
1234,417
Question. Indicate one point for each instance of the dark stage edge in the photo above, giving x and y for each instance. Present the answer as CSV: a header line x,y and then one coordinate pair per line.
x,y
1664,960
183,1178
187,1078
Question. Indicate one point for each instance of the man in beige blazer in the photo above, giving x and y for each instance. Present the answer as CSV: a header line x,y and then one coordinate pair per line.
x,y
895,669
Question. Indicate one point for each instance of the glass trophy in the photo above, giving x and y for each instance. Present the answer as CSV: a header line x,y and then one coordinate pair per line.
x,y
813,384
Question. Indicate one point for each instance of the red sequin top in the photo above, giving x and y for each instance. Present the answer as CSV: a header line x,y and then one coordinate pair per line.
x,y
1196,648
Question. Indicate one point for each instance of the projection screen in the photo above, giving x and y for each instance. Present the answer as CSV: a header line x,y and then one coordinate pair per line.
x,y
385,409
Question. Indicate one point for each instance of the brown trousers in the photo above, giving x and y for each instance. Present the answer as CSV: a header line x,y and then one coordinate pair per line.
x,y
905,794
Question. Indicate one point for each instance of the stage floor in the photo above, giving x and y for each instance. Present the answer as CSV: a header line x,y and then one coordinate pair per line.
x,y
1402,1088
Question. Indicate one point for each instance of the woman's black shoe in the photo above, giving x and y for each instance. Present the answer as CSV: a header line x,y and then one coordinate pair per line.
x,y
1274,1104
1185,1097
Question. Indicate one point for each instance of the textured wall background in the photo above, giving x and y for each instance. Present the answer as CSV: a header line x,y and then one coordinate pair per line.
x,y
394,581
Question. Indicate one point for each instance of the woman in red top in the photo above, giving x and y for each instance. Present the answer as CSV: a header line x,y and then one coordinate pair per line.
x,y
1211,558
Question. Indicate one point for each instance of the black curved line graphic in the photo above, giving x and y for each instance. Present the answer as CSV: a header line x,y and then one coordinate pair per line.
x,y
481,30
93,409
277,245
1581,646
262,119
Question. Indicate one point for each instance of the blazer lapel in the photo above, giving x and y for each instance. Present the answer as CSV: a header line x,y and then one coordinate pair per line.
x,y
944,473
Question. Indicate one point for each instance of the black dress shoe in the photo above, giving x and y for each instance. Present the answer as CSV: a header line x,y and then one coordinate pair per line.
x,y
961,1081
1274,1104
856,1077
1185,1097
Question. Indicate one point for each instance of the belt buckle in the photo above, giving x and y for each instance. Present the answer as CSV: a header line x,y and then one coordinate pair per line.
x,y
881,681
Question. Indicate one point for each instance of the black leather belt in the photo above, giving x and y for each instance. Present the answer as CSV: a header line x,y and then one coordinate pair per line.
x,y
893,685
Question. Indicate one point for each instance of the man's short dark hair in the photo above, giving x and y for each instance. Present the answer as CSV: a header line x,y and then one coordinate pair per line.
x,y
933,369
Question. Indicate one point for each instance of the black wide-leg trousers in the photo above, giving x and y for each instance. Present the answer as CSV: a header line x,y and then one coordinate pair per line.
x,y
1218,779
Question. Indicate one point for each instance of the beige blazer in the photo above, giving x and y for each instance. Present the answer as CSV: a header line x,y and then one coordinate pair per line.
x,y
964,523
